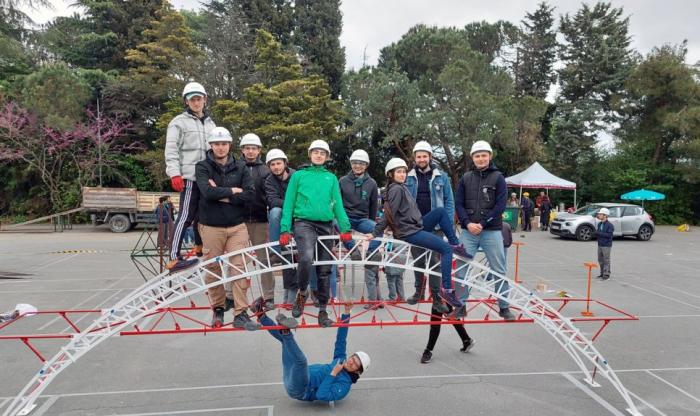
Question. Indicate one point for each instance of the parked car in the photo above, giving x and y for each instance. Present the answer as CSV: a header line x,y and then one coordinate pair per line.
x,y
628,219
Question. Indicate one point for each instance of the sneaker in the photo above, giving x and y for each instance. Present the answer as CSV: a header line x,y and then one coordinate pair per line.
x,y
242,320
199,250
285,321
600,276
451,298
605,277
460,251
228,304
180,264
417,297
439,307
298,305
467,345
217,320
323,320
269,304
506,314
426,357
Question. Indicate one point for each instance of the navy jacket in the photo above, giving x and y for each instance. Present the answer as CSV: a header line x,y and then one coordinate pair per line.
x,y
604,232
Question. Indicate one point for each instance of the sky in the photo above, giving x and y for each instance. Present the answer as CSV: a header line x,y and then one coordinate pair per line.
x,y
369,25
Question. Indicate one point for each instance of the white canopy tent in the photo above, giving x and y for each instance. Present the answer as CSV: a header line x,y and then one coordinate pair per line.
x,y
538,177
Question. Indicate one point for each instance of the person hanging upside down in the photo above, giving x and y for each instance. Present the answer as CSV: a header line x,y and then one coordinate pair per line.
x,y
401,214
322,382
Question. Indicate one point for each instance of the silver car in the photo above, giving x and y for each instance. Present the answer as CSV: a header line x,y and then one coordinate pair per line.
x,y
628,219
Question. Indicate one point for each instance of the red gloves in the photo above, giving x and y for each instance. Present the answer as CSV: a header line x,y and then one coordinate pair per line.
x,y
345,237
177,183
284,239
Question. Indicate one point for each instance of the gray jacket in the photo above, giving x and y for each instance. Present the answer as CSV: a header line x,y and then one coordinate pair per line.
x,y
359,196
186,144
405,215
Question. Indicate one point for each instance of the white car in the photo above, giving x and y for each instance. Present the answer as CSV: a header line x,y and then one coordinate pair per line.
x,y
628,220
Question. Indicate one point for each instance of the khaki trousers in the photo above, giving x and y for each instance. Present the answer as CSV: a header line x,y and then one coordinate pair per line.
x,y
218,241
258,235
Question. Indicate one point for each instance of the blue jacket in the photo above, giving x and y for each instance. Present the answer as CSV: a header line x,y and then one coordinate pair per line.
x,y
322,385
440,190
604,232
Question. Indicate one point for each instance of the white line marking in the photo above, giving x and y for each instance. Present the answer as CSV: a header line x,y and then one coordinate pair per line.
x,y
51,263
668,316
682,292
592,395
44,407
660,295
68,290
4,402
98,306
680,390
189,412
647,404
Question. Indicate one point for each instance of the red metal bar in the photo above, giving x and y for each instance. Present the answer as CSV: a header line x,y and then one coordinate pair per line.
x,y
34,350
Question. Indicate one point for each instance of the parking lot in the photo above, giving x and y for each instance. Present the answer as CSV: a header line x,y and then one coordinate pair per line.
x,y
513,369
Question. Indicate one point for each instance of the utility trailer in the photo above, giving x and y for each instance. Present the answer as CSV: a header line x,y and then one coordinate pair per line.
x,y
122,208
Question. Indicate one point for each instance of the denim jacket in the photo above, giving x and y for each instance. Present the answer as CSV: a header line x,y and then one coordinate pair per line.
x,y
440,190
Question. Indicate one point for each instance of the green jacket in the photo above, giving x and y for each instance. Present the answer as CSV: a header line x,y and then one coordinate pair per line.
x,y
313,194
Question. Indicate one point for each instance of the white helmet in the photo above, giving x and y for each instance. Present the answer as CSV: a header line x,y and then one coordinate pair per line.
x,y
360,156
604,211
423,146
192,89
320,144
275,154
394,163
481,146
250,139
219,134
364,359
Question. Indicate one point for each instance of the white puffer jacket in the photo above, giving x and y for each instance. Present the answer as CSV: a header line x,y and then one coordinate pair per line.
x,y
186,144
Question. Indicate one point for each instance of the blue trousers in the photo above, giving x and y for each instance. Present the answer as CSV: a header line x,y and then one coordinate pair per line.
x,y
295,368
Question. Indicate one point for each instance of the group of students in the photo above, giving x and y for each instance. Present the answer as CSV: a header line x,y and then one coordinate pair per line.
x,y
233,202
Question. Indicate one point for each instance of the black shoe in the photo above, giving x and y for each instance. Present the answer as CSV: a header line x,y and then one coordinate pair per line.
x,y
467,345
242,320
228,304
285,321
605,277
427,356
323,320
417,297
180,264
298,306
460,251
217,320
506,314
258,306
600,276
439,307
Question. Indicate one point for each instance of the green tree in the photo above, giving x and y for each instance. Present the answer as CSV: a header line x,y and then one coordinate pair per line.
x,y
318,24
537,53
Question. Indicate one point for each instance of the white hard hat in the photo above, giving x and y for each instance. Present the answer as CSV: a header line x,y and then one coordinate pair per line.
x,y
360,155
364,359
192,89
423,146
275,154
320,144
394,163
604,211
250,139
481,146
219,134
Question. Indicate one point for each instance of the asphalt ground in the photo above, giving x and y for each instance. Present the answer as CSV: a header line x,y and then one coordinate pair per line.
x,y
514,369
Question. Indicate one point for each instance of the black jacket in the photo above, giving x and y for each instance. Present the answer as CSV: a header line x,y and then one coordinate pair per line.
x,y
481,198
275,189
404,212
257,209
359,196
212,211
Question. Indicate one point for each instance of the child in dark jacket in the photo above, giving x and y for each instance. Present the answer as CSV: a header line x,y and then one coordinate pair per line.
x,y
604,232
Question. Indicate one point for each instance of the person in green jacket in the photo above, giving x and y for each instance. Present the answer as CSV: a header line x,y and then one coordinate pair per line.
x,y
311,204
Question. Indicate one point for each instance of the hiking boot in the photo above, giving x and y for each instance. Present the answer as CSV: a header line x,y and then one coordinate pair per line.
x,y
460,251
506,314
180,264
269,304
298,305
450,297
217,320
467,345
228,304
242,320
439,307
427,356
285,321
199,250
323,320
417,297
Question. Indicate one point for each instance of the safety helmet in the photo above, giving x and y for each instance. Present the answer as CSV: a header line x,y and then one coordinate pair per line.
x,y
320,144
423,146
219,134
481,146
394,163
364,359
526,194
604,211
192,89
513,194
359,156
275,154
250,139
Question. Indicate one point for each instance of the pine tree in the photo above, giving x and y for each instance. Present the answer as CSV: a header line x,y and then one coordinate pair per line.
x,y
537,53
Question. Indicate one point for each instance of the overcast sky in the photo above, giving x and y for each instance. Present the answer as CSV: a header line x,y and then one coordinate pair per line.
x,y
370,24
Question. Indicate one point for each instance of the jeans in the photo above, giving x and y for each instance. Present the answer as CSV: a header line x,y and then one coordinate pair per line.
x,y
295,368
274,217
491,242
306,235
365,226
395,283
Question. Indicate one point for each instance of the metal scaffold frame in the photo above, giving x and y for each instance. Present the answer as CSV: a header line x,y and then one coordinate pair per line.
x,y
157,294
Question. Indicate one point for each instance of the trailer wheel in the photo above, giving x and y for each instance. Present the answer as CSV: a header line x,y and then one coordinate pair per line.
x,y
119,223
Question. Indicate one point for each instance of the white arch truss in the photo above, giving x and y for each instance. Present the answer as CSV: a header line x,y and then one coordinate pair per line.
x,y
166,289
